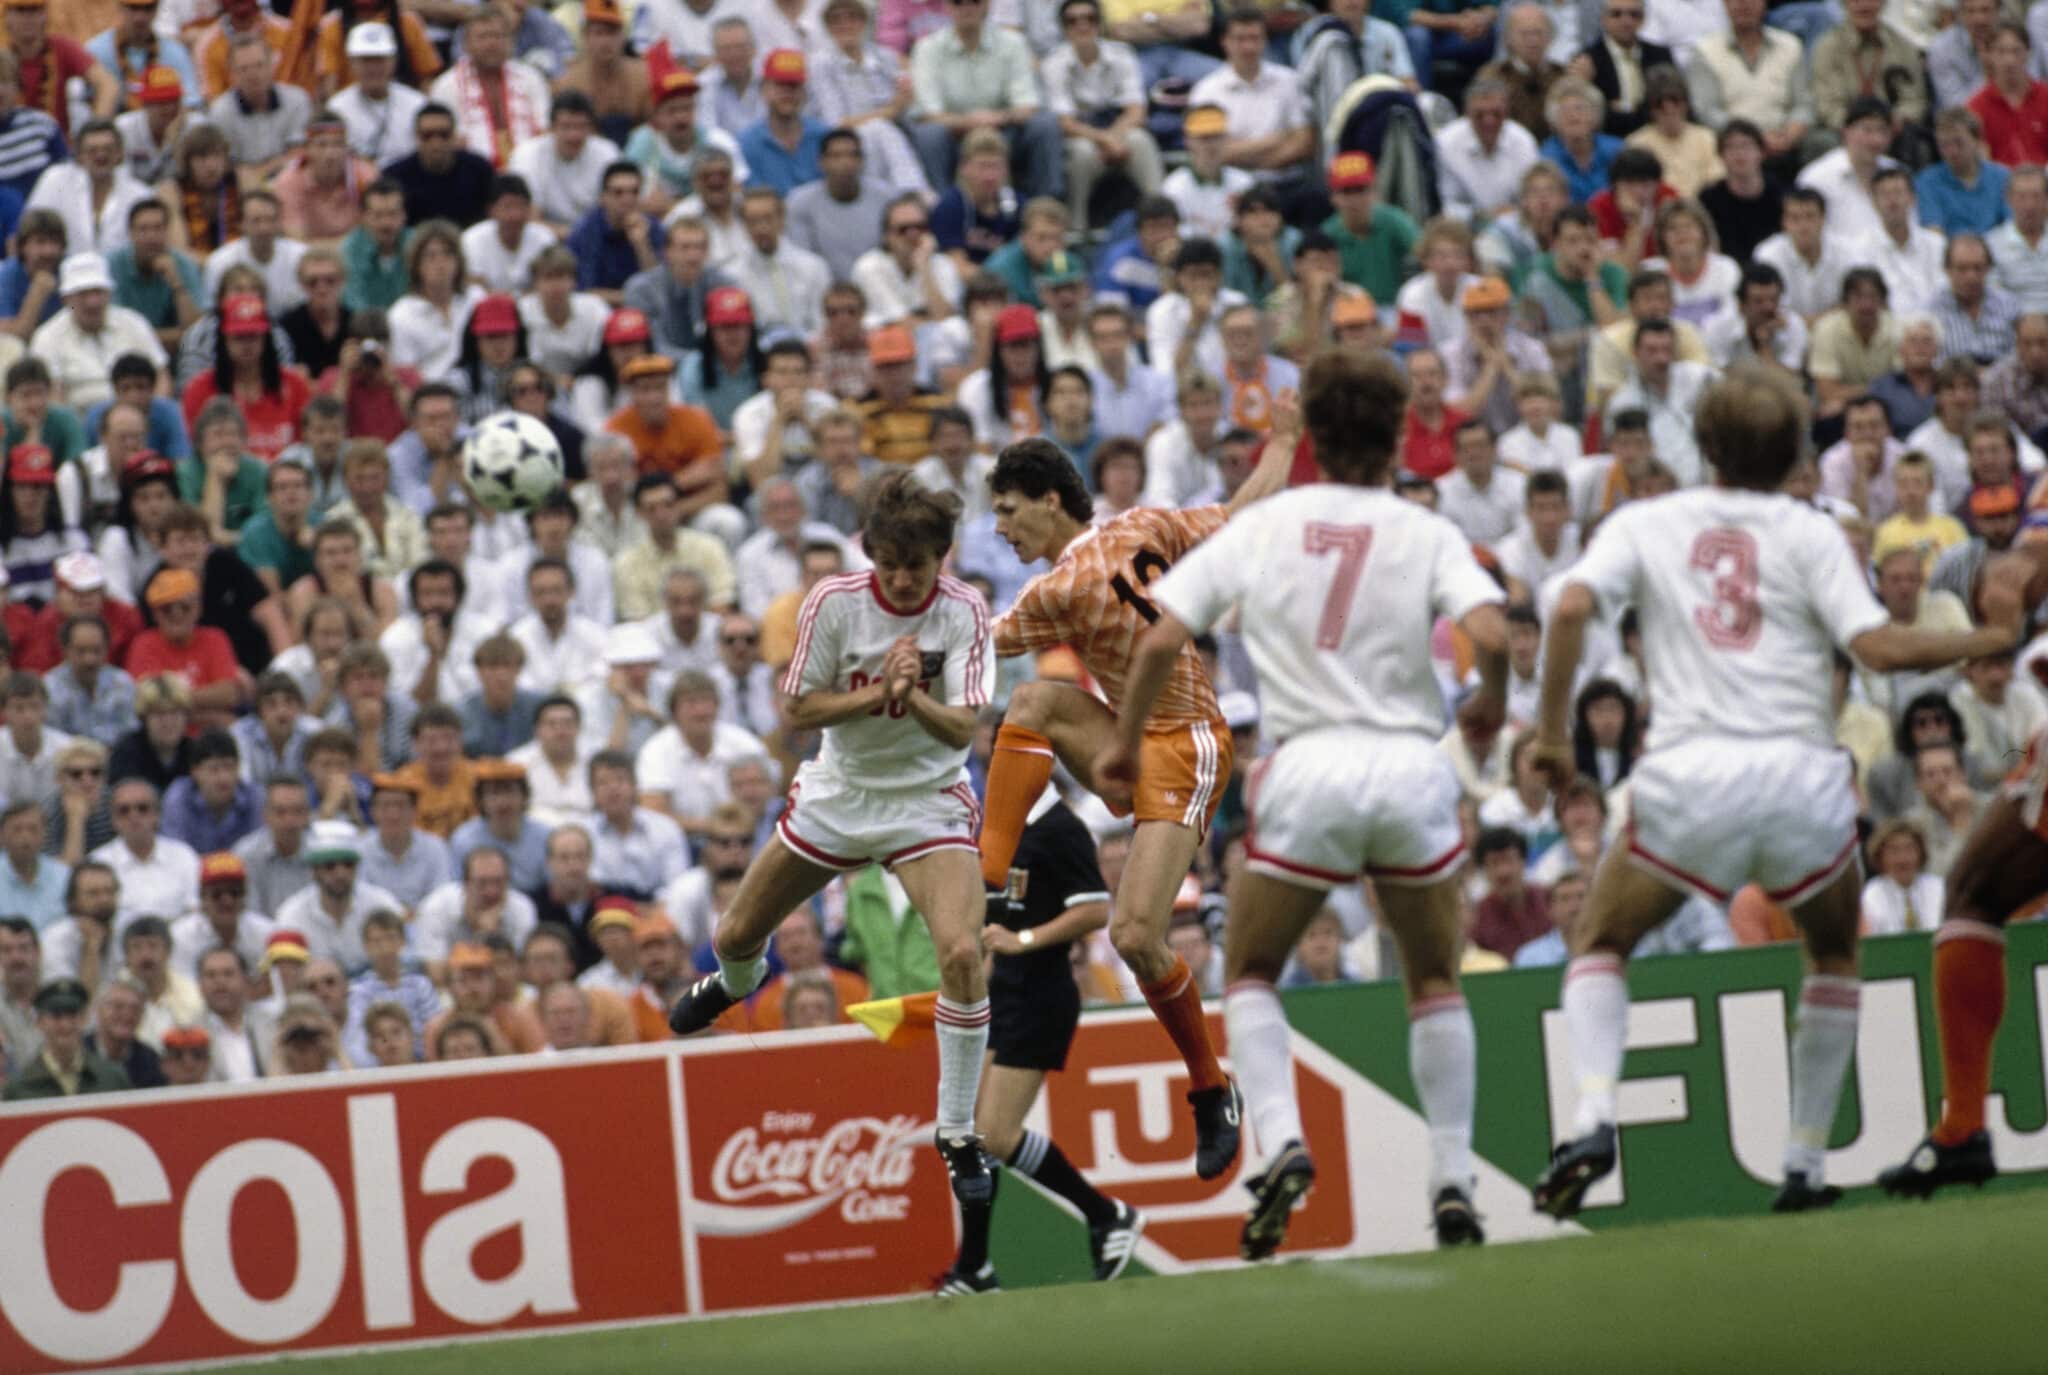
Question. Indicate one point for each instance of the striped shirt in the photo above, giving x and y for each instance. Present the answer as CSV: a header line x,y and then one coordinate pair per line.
x,y
1093,600
29,141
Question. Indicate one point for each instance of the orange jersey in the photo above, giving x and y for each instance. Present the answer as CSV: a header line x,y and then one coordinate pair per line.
x,y
1094,600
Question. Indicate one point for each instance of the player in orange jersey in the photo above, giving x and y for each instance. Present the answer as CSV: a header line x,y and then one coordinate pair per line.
x,y
2001,872
1093,600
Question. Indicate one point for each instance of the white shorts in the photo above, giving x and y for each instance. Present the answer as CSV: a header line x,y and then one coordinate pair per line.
x,y
1713,814
832,823
1328,806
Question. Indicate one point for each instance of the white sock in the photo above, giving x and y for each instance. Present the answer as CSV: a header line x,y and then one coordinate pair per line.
x,y
963,1037
1823,1039
1443,1059
742,977
1596,1016
1263,1061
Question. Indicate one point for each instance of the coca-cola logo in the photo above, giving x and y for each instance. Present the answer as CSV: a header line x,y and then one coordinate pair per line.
x,y
863,1164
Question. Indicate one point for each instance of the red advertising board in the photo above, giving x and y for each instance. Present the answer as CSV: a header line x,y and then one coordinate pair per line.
x,y
344,1211
812,1176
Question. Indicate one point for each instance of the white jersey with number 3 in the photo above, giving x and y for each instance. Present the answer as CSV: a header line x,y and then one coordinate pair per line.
x,y
843,636
1743,598
1340,587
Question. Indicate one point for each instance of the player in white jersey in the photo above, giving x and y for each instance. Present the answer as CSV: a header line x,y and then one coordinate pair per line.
x,y
1743,595
1338,585
892,665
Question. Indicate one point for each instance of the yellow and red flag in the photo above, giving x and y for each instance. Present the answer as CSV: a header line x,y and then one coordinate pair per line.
x,y
899,1022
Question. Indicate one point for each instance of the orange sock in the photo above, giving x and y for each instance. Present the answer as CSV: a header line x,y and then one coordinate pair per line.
x,y
1017,774
1969,1002
1177,1003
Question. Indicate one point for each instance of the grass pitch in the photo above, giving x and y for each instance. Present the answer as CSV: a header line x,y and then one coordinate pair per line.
x,y
1949,1287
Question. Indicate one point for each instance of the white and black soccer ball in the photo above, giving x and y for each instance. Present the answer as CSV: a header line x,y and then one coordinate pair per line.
x,y
511,462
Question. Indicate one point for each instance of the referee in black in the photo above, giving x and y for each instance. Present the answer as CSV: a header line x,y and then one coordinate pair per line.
x,y
1055,897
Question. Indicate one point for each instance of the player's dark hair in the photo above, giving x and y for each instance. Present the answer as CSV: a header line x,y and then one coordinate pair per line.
x,y
1548,482
1353,405
438,568
1749,426
1522,613
1033,467
908,520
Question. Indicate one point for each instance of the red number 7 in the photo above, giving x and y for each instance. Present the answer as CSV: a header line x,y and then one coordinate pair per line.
x,y
1351,543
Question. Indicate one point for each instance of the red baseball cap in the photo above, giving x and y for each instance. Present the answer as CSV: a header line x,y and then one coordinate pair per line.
x,y
495,315
1349,171
159,86
31,463
628,326
243,313
728,305
784,66
1015,323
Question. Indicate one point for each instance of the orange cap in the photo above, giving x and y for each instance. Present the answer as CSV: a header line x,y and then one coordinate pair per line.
x,y
468,956
1488,293
221,867
1205,121
172,585
891,344
602,12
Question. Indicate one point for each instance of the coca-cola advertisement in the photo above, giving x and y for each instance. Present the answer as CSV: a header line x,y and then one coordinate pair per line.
x,y
337,1211
812,1173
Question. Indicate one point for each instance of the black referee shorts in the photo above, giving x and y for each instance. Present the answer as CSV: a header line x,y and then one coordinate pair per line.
x,y
1031,1024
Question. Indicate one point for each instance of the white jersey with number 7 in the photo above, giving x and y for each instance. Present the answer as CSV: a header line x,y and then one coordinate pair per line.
x,y
1340,588
1742,598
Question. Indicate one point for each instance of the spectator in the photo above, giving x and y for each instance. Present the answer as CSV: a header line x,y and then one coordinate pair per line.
x,y
784,283
80,342
480,905
564,168
1617,63
1962,193
1512,913
636,848
1955,59
274,857
332,913
87,695
1095,90
1759,330
29,279
1857,344
1865,59
972,75
442,180
212,809
94,194
1945,808
1428,443
1479,497
263,118
1901,895
1844,176
2012,106
499,101
1604,736
64,1067
397,856
383,101
2017,246
118,1015
32,884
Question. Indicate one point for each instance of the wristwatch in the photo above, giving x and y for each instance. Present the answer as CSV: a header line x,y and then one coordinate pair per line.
x,y
1028,937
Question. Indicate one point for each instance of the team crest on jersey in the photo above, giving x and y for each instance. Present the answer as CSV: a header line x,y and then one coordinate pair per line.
x,y
931,667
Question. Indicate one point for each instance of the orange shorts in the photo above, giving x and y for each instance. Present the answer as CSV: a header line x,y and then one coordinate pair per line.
x,y
1181,772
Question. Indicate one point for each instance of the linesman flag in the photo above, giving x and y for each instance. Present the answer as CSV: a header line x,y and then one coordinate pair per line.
x,y
899,1022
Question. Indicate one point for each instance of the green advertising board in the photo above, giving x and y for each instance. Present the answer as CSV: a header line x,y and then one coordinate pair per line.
x,y
1702,1106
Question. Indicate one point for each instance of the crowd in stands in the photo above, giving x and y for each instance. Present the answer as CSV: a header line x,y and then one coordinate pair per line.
x,y
308,760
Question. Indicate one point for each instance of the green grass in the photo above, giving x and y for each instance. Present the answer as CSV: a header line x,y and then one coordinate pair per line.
x,y
1946,1287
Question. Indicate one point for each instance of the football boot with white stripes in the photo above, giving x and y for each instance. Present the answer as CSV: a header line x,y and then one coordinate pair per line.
x,y
1112,1244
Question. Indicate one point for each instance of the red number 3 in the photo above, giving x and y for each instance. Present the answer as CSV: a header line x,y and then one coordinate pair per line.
x,y
1735,619
1350,543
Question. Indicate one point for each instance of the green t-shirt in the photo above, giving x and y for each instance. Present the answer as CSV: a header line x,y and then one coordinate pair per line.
x,y
1613,279
247,494
1376,260
374,283
1009,263
62,433
263,546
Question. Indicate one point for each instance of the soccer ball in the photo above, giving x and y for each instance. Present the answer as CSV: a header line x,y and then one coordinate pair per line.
x,y
511,462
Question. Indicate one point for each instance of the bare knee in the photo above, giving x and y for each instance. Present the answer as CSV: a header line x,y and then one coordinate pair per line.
x,y
1000,1139
1032,706
960,963
1146,954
